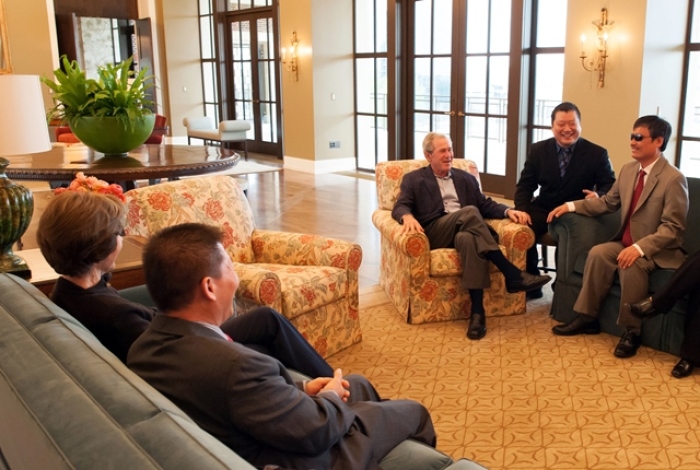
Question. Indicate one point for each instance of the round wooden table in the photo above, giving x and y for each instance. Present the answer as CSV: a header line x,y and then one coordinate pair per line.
x,y
151,162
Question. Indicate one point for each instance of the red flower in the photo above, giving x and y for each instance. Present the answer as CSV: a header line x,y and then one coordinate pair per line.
x,y
227,238
415,247
160,201
189,198
321,346
393,172
133,214
213,209
522,241
309,294
429,291
268,291
258,247
355,259
353,313
338,260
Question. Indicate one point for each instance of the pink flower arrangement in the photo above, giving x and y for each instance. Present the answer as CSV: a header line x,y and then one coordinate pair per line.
x,y
92,184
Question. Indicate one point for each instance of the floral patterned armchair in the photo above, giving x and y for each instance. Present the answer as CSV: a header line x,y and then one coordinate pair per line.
x,y
424,284
311,280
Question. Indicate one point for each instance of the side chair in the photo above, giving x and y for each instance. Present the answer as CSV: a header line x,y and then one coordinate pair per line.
x,y
310,279
424,284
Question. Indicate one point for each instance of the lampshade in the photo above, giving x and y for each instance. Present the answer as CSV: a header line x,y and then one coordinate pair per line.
x,y
24,130
23,117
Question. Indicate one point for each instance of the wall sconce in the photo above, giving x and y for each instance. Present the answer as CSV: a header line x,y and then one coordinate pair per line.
x,y
291,64
600,55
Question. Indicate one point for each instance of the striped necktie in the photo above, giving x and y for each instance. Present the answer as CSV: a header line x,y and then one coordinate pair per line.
x,y
564,157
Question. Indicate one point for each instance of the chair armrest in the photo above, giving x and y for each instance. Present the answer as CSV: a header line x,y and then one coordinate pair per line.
x,y
514,238
259,285
576,234
232,126
413,245
271,246
205,122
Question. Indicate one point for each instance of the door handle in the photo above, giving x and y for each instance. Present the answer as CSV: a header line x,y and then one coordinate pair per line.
x,y
461,114
451,113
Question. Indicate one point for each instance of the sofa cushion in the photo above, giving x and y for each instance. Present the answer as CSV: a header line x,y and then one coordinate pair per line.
x,y
90,409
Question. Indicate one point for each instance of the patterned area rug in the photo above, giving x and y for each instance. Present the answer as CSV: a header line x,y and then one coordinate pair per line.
x,y
522,398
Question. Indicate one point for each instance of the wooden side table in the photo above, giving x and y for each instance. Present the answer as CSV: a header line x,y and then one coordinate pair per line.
x,y
127,273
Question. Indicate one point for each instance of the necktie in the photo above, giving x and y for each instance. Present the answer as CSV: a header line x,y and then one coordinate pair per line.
x,y
564,157
627,236
228,338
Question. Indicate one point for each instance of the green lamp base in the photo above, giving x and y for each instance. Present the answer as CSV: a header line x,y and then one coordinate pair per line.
x,y
13,264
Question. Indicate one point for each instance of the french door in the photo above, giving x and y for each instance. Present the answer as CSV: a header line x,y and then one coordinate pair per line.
x,y
250,43
460,62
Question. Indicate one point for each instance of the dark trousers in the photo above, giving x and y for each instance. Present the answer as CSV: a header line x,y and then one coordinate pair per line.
x,y
268,332
685,281
467,232
539,226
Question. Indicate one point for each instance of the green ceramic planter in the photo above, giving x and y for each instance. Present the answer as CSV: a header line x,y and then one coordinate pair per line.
x,y
107,135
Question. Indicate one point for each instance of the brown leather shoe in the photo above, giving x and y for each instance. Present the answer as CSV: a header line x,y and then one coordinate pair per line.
x,y
527,282
642,309
581,325
477,326
683,369
628,345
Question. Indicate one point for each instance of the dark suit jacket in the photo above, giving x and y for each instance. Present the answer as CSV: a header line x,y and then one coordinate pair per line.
x,y
249,402
659,219
420,195
589,168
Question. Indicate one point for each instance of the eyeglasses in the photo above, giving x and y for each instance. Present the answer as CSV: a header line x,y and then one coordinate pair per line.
x,y
638,137
121,233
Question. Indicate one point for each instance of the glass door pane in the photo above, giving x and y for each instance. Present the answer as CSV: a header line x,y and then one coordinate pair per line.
x,y
254,72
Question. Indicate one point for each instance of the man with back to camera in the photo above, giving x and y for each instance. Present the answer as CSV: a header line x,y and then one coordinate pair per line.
x,y
652,196
447,205
564,167
246,399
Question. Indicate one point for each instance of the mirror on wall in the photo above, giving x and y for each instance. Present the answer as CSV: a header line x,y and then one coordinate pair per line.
x,y
5,65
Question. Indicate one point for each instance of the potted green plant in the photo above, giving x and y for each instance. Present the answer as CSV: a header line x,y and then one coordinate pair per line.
x,y
110,114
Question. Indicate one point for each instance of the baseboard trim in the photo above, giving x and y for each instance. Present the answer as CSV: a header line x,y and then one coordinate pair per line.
x,y
317,167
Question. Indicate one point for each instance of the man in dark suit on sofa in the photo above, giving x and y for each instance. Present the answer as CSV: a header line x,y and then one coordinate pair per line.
x,y
448,206
652,196
564,167
246,399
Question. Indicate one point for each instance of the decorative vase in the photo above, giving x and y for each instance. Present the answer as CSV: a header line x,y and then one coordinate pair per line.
x,y
109,136
16,210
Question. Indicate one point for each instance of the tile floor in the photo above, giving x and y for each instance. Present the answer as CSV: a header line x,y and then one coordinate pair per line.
x,y
522,398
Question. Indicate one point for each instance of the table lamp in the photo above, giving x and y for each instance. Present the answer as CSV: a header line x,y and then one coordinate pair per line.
x,y
24,130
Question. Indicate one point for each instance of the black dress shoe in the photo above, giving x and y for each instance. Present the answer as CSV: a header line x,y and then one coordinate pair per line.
x,y
527,282
477,326
581,325
642,309
628,345
534,294
683,369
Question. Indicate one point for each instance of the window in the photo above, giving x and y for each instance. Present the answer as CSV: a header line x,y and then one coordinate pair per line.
x,y
371,84
207,51
547,57
689,136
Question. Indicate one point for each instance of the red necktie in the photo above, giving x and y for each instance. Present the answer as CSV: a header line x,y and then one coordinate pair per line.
x,y
627,236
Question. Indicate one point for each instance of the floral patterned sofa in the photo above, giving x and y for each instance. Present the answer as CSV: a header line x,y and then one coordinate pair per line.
x,y
424,284
310,279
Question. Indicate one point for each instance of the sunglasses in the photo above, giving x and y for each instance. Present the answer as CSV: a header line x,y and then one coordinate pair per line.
x,y
638,137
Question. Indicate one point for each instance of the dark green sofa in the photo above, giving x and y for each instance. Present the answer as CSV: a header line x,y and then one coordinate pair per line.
x,y
577,234
66,402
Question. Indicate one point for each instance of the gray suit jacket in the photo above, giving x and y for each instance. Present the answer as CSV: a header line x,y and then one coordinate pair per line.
x,y
249,402
659,220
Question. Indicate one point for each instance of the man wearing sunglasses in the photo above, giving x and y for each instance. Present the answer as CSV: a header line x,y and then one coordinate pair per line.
x,y
652,196
564,167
